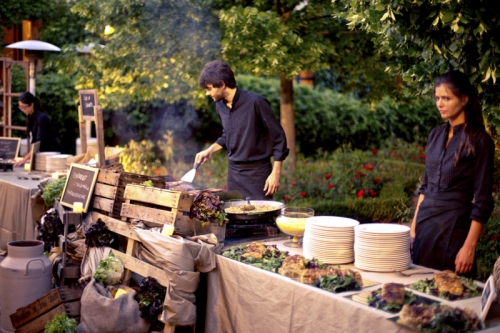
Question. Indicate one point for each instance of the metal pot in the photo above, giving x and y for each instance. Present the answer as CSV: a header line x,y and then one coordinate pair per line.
x,y
254,215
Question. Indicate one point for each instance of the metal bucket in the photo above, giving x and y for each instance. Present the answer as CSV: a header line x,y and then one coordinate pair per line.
x,y
25,276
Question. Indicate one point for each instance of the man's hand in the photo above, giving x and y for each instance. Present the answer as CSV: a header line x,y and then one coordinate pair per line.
x,y
204,155
272,184
464,259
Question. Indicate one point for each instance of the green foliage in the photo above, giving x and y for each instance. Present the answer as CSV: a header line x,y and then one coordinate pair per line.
x,y
156,51
327,120
427,38
61,324
140,158
12,12
110,270
53,190
488,246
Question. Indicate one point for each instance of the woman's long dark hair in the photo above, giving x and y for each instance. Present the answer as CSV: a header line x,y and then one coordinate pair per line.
x,y
460,86
29,98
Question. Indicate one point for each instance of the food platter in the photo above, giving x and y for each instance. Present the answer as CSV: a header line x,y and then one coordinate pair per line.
x,y
249,215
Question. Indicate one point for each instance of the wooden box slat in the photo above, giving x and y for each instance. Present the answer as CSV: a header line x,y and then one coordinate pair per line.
x,y
38,324
108,177
103,204
103,190
148,214
142,268
173,199
120,227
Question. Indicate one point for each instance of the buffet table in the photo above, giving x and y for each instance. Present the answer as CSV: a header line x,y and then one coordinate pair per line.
x,y
16,222
242,298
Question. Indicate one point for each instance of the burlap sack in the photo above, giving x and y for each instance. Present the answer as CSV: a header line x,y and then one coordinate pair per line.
x,y
101,313
181,260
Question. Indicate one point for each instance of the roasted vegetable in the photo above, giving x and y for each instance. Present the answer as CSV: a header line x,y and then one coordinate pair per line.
x,y
207,207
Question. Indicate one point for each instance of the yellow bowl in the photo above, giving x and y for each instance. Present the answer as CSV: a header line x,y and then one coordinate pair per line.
x,y
291,225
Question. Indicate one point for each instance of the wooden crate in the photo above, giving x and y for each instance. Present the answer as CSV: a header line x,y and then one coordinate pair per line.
x,y
155,205
33,317
110,188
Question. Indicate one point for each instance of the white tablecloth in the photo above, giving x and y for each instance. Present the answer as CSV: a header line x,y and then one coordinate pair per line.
x,y
242,298
16,222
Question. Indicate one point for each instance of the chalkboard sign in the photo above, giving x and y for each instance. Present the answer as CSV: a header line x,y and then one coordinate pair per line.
x,y
88,99
79,185
35,148
488,296
9,148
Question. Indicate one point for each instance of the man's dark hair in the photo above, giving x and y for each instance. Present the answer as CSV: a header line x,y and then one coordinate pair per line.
x,y
215,73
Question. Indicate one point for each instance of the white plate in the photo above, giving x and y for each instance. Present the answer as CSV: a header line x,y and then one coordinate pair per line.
x,y
382,228
332,221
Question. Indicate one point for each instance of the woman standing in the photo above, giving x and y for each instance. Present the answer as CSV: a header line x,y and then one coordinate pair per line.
x,y
456,194
38,124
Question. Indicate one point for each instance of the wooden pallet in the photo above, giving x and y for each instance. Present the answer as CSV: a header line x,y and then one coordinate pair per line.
x,y
110,187
160,206
33,317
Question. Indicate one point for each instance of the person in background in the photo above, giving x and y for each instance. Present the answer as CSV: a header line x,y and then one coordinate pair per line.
x,y
456,194
38,124
251,134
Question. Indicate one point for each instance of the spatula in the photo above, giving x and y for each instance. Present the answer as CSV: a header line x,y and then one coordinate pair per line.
x,y
189,176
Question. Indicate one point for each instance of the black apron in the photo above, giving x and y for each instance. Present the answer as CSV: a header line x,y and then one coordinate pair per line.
x,y
443,223
249,178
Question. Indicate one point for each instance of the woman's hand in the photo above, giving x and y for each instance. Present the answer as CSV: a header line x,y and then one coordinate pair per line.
x,y
464,259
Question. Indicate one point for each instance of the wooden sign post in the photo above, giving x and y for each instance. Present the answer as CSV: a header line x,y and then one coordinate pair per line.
x,y
9,148
89,110
35,148
79,186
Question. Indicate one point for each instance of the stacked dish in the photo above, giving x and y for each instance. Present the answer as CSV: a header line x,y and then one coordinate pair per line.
x,y
329,239
382,247
41,159
57,162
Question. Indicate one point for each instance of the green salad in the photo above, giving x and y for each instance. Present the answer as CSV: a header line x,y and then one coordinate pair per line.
x,y
375,300
430,287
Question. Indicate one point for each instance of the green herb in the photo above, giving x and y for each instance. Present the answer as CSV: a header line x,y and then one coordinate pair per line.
x,y
148,183
338,283
53,190
60,324
271,260
375,300
449,320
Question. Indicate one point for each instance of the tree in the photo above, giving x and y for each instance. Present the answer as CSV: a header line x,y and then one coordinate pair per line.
x,y
278,38
146,50
426,38
13,12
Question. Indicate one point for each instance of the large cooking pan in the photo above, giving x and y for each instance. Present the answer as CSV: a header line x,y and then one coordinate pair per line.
x,y
253,215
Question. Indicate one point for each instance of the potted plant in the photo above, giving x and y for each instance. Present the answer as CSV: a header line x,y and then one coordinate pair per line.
x,y
207,213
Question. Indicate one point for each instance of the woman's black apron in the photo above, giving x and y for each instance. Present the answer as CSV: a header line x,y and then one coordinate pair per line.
x,y
443,223
249,178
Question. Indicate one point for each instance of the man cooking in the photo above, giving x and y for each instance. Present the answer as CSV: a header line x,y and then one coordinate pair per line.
x,y
251,134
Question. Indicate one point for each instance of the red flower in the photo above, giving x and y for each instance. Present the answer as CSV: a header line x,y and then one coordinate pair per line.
x,y
293,184
303,194
376,180
224,188
287,198
360,174
360,194
375,151
330,185
368,167
372,193
328,176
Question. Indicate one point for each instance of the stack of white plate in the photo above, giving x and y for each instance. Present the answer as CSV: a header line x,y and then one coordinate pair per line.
x,y
382,247
41,159
329,239
57,162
